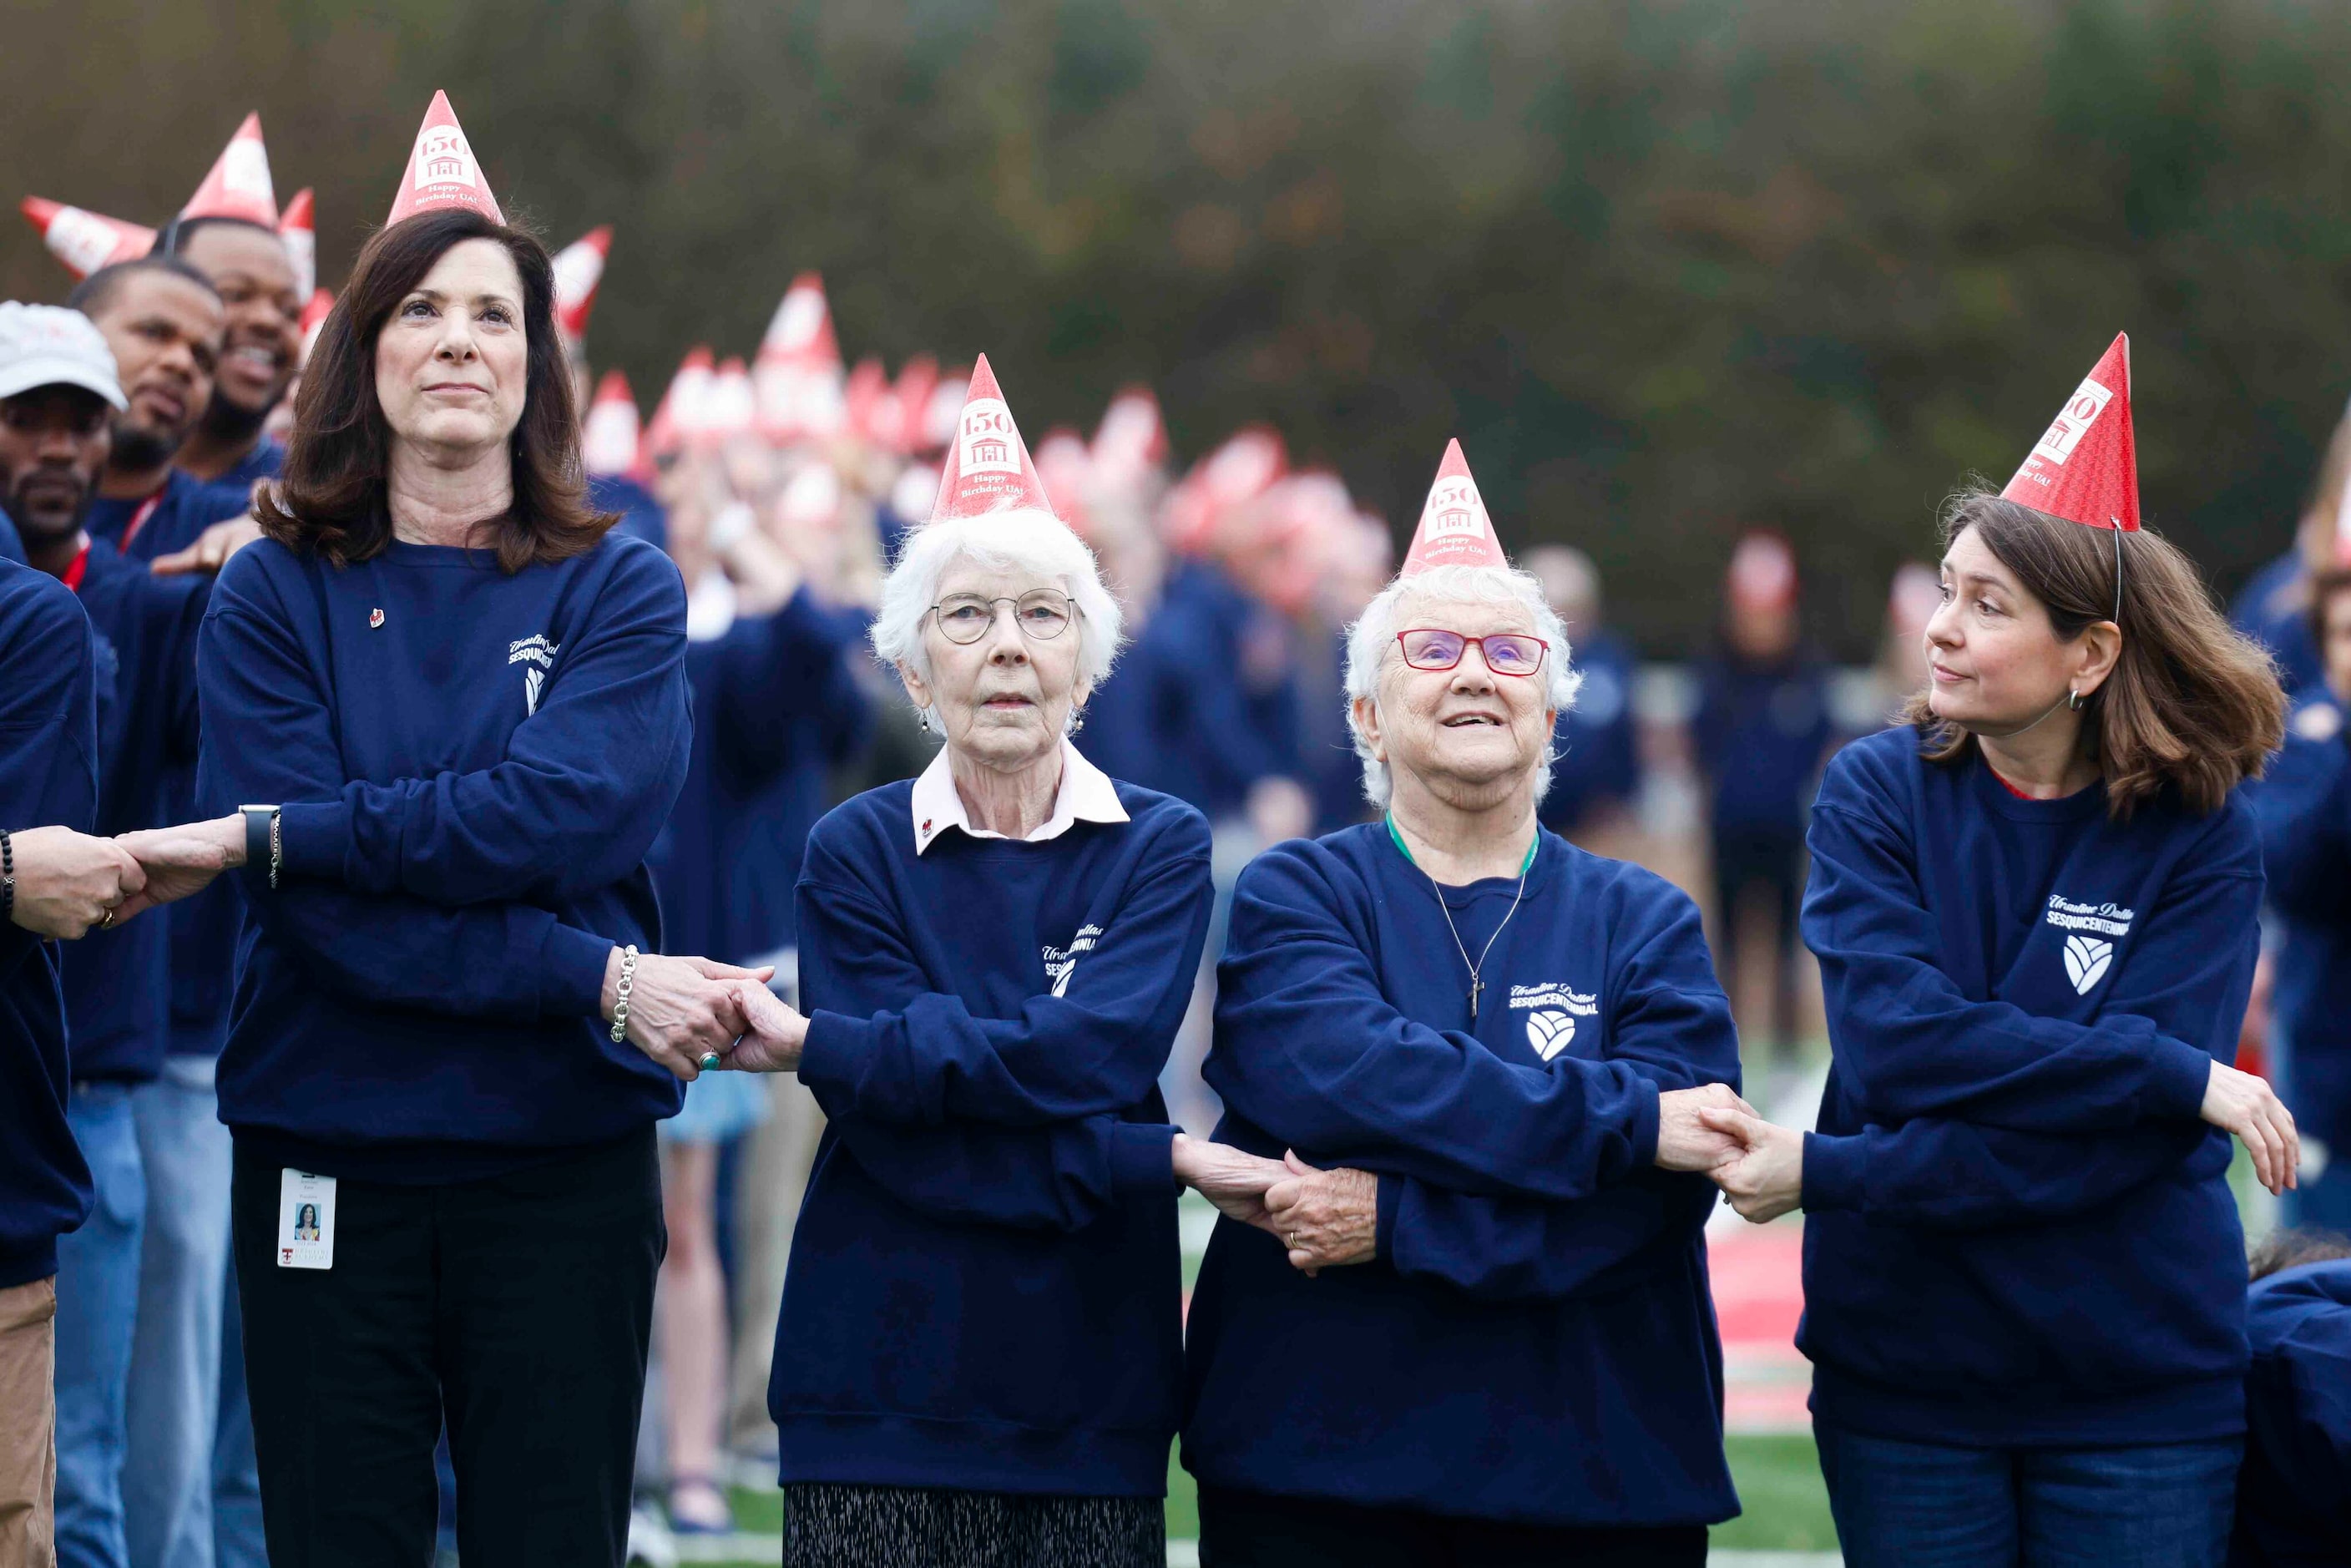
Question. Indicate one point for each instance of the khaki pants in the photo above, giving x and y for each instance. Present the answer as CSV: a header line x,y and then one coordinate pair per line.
x,y
28,1446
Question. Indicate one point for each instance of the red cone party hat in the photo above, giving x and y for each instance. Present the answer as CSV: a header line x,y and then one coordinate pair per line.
x,y
1132,439
607,442
730,410
86,241
2343,526
799,388
297,229
2085,469
918,378
867,409
314,317
578,268
1762,572
238,185
1454,528
1062,455
987,469
680,413
442,172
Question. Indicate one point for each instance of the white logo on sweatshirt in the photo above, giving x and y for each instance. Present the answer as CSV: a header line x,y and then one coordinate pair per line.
x,y
535,654
1060,962
1552,1010
2087,957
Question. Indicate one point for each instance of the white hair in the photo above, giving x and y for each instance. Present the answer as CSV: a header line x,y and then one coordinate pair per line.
x,y
1372,641
1024,541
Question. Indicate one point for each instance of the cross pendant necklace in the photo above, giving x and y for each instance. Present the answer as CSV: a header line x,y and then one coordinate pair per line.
x,y
1477,976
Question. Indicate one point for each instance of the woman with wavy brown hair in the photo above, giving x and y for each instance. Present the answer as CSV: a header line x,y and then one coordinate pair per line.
x,y
463,704
2034,907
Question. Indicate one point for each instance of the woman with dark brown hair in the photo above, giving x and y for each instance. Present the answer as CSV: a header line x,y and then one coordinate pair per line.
x,y
464,704
2035,911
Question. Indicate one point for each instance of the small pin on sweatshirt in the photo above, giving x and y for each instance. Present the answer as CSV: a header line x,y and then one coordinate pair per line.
x,y
375,619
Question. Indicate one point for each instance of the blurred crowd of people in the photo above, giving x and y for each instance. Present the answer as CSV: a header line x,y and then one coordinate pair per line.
x,y
783,484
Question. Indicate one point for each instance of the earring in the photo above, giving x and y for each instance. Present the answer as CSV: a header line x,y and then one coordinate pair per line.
x,y
2074,698
1077,721
922,717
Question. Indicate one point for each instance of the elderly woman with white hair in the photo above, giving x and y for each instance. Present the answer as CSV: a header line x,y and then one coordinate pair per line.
x,y
979,1350
1480,1332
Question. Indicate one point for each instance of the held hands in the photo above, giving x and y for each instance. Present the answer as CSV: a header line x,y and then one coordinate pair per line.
x,y
1235,1182
67,882
1765,1177
1327,1219
1686,1141
774,1034
181,861
2241,1103
681,1009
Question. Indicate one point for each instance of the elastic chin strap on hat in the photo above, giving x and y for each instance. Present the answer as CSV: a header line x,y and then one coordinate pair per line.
x,y
2118,573
2012,734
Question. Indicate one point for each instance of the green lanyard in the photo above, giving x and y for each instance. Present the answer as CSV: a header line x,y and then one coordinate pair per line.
x,y
1477,971
1524,866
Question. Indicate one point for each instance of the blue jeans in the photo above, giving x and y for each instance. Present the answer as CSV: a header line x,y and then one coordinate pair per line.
x,y
98,1302
1917,1505
173,1404
236,1478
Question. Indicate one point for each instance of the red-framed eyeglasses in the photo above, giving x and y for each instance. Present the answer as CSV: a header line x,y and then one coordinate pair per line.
x,y
1505,653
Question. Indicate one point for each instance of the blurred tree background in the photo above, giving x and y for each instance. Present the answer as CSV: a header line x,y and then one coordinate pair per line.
x,y
1669,267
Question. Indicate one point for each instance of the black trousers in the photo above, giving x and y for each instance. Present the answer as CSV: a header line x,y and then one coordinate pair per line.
x,y
1255,1530
519,1308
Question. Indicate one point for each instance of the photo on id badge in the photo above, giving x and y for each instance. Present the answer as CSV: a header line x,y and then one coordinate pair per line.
x,y
306,1221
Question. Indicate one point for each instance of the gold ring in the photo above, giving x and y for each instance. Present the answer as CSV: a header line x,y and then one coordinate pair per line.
x,y
108,921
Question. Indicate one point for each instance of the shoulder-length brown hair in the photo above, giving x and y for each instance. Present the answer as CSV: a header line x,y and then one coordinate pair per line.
x,y
2192,704
330,498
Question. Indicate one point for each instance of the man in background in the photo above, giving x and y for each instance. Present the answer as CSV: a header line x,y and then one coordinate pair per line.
x,y
1596,776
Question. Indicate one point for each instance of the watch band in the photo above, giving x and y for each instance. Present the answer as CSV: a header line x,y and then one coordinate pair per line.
x,y
261,839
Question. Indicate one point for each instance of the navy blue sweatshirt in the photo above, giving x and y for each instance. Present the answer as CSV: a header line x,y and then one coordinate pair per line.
x,y
1534,1341
2018,1231
118,983
471,766
2303,806
1596,758
12,547
183,508
49,778
641,516
1216,664
1761,729
203,927
265,461
2293,1495
985,1286
775,706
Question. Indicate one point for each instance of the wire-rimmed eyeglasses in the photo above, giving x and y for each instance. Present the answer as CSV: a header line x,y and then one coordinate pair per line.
x,y
1041,614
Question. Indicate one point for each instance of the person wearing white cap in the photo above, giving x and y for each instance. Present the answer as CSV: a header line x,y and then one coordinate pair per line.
x,y
60,675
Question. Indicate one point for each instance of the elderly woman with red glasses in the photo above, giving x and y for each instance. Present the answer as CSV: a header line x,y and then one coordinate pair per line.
x,y
1479,1330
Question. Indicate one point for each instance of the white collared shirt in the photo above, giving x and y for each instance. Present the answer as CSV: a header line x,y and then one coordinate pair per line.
x,y
1085,793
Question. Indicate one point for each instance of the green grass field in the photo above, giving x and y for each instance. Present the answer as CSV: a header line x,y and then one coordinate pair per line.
x,y
1779,1482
